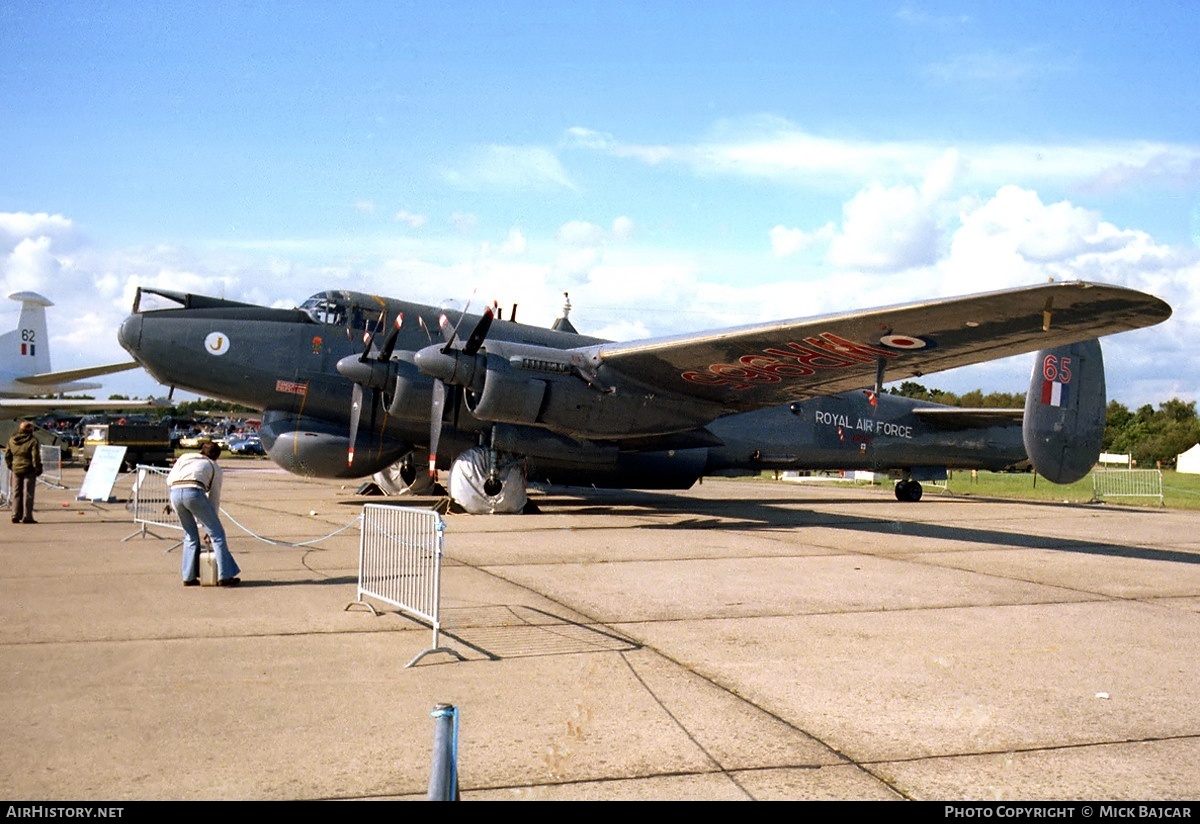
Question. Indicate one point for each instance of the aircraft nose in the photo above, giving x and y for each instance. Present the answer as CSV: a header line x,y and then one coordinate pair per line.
x,y
130,334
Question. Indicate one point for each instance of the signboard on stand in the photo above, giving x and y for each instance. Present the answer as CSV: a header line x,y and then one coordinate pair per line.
x,y
102,474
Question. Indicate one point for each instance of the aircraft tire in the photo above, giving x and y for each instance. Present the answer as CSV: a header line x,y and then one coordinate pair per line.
x,y
909,491
470,482
392,481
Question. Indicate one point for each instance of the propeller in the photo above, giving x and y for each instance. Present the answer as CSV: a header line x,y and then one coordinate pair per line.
x,y
363,370
442,363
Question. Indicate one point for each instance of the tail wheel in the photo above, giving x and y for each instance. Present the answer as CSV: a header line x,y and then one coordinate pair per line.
x,y
909,491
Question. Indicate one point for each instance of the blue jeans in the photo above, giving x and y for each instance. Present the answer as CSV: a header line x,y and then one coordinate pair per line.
x,y
192,506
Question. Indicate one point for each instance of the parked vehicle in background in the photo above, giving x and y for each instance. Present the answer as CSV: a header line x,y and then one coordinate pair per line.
x,y
145,443
246,445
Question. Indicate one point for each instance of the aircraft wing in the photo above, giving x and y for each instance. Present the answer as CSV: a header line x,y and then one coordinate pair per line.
x,y
69,375
767,364
27,407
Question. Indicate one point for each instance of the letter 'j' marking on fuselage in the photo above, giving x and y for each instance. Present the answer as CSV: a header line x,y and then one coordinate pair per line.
x,y
217,343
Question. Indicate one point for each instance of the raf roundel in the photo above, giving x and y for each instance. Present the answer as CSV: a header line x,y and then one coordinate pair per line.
x,y
217,343
905,342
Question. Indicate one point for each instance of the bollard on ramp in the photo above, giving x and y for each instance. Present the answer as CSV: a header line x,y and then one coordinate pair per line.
x,y
443,779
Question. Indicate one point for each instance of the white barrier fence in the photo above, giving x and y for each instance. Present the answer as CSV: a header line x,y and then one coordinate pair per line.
x,y
51,466
51,473
400,563
151,504
1127,483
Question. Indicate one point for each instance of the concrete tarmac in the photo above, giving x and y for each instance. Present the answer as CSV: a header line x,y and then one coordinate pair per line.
x,y
742,640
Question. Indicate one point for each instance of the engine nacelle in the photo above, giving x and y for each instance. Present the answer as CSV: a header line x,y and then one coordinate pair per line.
x,y
508,396
540,386
317,448
411,392
1065,410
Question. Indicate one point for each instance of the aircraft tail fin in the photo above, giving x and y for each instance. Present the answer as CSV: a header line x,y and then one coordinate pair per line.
x,y
1065,411
28,346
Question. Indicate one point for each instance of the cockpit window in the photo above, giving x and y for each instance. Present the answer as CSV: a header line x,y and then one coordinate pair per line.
x,y
324,308
329,308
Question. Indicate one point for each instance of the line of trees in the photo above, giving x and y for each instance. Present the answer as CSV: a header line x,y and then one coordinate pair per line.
x,y
1150,435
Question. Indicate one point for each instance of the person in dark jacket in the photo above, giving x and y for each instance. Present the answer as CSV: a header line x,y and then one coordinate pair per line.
x,y
24,457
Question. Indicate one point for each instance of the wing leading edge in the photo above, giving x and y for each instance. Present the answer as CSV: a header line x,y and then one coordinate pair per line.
x,y
763,365
70,375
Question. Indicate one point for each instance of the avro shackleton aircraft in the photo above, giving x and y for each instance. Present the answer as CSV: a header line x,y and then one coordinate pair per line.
x,y
351,384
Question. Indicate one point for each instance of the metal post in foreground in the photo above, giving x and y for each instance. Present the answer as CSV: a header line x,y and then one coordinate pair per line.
x,y
443,779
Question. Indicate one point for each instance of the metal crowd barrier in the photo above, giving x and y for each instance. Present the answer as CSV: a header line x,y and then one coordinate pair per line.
x,y
51,473
151,504
1127,483
51,466
400,563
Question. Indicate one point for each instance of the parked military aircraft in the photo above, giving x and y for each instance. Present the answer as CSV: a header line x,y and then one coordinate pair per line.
x,y
351,384
25,368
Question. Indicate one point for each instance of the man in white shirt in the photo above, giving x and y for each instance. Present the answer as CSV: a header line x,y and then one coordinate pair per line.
x,y
195,483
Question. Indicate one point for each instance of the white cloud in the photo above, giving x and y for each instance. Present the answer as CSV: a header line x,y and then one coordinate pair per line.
x,y
886,230
1015,238
509,168
941,176
622,228
412,219
15,226
515,243
31,265
580,137
580,233
786,242
774,149
998,69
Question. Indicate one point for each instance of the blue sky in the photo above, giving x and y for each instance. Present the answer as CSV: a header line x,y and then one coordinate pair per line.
x,y
675,166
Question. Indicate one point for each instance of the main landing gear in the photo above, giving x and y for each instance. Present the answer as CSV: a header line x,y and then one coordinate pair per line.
x,y
908,490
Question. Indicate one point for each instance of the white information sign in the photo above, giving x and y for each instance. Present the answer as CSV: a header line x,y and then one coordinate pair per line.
x,y
102,474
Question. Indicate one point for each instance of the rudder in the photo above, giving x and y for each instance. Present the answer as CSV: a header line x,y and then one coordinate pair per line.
x,y
1065,410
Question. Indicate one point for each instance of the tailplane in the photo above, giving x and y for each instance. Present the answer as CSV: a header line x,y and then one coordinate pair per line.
x,y
1065,411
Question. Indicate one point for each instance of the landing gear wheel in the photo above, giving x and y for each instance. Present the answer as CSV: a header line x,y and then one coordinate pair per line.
x,y
481,488
909,491
399,479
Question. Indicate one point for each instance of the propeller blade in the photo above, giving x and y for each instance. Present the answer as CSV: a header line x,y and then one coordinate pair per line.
x,y
479,332
355,413
369,337
389,343
435,424
443,321
448,331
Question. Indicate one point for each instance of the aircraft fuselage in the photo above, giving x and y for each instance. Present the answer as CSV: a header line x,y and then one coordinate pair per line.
x,y
859,430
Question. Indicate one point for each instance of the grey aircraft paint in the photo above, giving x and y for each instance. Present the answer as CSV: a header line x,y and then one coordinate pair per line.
x,y
350,383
